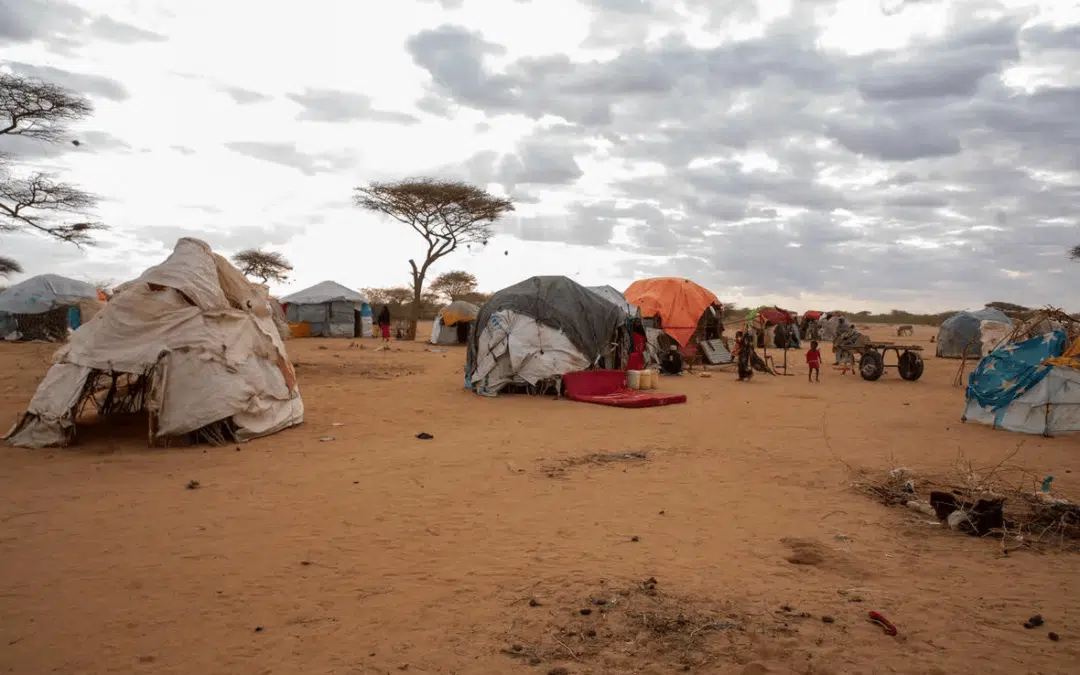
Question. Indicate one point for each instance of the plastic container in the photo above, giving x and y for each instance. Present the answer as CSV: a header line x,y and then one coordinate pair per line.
x,y
649,378
633,379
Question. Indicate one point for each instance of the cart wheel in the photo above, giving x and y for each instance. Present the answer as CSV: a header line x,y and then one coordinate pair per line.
x,y
871,366
911,366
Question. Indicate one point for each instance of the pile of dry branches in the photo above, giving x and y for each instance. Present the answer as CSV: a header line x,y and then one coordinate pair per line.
x,y
1033,519
1041,321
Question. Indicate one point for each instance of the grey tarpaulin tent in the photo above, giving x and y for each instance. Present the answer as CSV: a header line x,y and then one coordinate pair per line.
x,y
45,306
537,330
975,333
331,309
613,296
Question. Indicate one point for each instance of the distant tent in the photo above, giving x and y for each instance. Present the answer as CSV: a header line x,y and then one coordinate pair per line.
x,y
191,343
530,334
680,305
1031,387
972,334
454,323
47,307
330,310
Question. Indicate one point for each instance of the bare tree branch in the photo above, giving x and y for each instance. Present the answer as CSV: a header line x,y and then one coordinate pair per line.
x,y
9,266
34,201
43,111
445,214
1074,252
265,265
36,109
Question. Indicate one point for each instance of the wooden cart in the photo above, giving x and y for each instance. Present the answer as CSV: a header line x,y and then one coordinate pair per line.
x,y
872,360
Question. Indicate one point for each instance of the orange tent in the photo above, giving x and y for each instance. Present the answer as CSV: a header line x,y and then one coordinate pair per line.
x,y
678,302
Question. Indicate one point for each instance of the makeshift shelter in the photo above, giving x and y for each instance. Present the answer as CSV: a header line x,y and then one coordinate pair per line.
x,y
1032,387
328,309
679,305
530,334
191,342
774,327
972,334
454,323
46,307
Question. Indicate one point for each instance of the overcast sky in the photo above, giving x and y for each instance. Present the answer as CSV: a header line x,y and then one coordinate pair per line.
x,y
856,154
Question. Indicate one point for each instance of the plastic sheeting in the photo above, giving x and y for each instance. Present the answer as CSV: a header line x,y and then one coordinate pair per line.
x,y
588,321
1017,388
679,303
204,335
515,348
458,311
961,334
612,295
43,293
326,291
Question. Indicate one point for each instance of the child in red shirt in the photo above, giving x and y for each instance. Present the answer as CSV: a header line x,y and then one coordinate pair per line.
x,y
813,359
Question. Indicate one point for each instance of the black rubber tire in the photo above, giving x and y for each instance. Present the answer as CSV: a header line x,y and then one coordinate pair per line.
x,y
871,366
911,366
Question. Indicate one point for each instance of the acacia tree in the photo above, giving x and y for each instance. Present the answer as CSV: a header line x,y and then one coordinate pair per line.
x,y
263,264
41,111
454,285
446,214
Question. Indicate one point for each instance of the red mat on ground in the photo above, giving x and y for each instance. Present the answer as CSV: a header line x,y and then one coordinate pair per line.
x,y
608,387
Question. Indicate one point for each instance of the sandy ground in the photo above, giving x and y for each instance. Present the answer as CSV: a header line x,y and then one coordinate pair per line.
x,y
376,552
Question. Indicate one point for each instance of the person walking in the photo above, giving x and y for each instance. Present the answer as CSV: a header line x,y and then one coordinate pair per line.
x,y
384,324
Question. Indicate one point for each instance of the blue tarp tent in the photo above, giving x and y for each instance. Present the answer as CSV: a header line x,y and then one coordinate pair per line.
x,y
1015,388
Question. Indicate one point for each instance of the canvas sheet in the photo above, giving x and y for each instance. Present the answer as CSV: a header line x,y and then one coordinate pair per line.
x,y
515,348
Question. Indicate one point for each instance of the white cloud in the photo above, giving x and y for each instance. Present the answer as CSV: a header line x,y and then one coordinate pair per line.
x,y
249,123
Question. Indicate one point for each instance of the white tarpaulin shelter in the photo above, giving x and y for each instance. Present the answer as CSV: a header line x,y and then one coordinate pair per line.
x,y
43,293
331,309
191,341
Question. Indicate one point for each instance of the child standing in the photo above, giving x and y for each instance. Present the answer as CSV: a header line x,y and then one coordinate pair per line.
x,y
813,359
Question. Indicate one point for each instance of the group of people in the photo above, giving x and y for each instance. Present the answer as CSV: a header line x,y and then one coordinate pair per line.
x,y
744,345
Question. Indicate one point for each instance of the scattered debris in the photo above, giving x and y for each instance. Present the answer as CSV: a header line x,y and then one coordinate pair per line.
x,y
984,502
193,484
828,619
1034,622
337,424
327,439
424,436
436,351
585,611
886,625
258,629
1053,636
533,602
635,539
